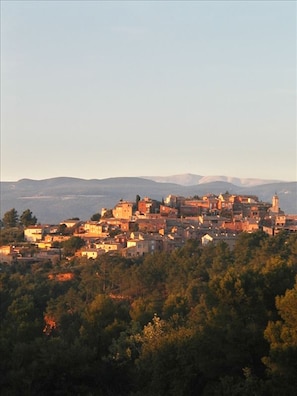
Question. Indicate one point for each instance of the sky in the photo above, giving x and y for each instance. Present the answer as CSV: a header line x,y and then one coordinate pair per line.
x,y
99,89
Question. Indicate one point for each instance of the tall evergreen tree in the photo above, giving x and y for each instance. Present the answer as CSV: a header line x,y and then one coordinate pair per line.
x,y
10,218
27,218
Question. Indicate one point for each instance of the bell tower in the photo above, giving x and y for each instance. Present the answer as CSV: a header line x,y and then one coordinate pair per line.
x,y
275,204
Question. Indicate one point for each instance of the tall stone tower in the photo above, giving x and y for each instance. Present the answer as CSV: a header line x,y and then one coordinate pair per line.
x,y
275,204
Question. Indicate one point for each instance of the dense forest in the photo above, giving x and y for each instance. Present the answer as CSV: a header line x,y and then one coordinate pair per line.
x,y
199,321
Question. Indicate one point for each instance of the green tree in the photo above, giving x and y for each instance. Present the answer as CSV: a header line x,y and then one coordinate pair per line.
x,y
282,336
250,385
248,246
27,218
22,318
104,320
62,229
73,244
11,235
65,311
137,199
96,217
10,218
167,363
175,305
142,310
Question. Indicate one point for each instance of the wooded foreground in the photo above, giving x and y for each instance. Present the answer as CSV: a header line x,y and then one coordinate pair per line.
x,y
199,321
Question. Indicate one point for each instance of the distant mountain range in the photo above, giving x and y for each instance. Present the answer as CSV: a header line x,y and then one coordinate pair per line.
x,y
188,179
56,199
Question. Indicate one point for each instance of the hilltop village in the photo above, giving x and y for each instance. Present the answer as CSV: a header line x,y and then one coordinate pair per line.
x,y
133,229
183,297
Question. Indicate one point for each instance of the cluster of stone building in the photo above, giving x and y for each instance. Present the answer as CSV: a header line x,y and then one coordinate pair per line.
x,y
148,226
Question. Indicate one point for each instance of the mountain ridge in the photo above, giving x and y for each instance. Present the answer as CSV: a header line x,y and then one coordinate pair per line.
x,y
188,179
55,199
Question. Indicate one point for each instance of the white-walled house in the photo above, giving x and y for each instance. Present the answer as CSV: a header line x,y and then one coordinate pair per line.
x,y
91,253
34,233
230,239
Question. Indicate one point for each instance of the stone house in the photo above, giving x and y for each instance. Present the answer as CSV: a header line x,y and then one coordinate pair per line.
x,y
139,244
109,246
147,205
7,254
168,211
123,210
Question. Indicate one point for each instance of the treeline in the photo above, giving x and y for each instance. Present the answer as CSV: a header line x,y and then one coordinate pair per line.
x,y
200,321
12,225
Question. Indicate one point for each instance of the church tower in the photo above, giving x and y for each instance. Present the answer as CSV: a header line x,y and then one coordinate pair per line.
x,y
275,204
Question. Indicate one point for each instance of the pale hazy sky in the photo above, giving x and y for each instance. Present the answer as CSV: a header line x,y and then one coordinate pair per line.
x,y
98,89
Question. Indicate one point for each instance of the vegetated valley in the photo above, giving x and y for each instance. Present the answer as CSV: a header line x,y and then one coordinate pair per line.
x,y
198,321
